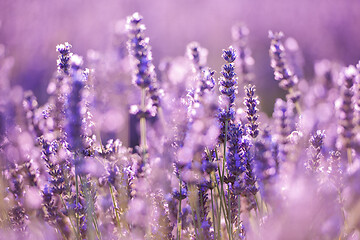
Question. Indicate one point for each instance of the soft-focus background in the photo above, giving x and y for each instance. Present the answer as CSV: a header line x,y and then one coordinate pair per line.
x,y
30,30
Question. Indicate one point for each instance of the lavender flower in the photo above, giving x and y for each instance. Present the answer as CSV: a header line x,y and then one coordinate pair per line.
x,y
287,80
335,170
52,214
207,163
74,112
240,34
234,159
357,93
197,55
31,106
57,89
191,180
228,88
31,174
18,218
249,178
17,213
266,167
346,109
316,145
282,116
64,57
251,101
75,129
207,82
203,218
55,171
282,72
228,80
16,183
138,45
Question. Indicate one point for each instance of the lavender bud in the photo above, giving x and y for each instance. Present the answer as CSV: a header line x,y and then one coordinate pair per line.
x,y
229,55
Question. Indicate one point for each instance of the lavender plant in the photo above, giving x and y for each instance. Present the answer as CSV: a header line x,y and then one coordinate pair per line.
x,y
202,168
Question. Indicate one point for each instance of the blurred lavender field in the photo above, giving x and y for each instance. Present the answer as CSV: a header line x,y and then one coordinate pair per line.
x,y
31,29
178,120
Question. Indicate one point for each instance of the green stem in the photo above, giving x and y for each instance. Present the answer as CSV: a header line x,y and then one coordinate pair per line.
x,y
349,155
115,206
212,211
239,212
77,204
343,214
98,233
143,143
67,210
229,209
89,209
195,228
199,222
223,205
222,182
179,214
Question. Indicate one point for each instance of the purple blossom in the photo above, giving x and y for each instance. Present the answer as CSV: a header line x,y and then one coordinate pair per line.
x,y
64,57
240,34
282,72
251,102
315,149
346,108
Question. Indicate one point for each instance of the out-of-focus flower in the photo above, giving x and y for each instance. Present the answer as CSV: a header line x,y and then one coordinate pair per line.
x,y
240,34
228,88
346,108
315,149
139,48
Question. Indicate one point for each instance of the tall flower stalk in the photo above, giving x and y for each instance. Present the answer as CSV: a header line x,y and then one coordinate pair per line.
x,y
240,34
282,73
315,149
144,75
347,111
251,102
228,89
